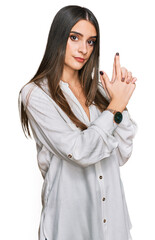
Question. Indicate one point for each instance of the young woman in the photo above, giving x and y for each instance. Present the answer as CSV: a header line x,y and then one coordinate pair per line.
x,y
83,132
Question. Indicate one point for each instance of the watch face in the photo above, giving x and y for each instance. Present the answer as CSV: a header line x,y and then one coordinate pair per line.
x,y
118,117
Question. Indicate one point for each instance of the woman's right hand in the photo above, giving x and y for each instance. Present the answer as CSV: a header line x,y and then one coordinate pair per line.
x,y
118,91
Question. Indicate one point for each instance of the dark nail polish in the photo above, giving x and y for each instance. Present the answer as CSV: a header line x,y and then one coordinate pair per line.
x,y
101,72
123,79
117,54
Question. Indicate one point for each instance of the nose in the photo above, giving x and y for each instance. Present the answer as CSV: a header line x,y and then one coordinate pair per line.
x,y
83,47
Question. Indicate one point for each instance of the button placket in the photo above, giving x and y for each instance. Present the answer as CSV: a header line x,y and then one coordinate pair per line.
x,y
100,176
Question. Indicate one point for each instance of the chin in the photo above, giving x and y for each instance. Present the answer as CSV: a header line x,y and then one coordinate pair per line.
x,y
78,66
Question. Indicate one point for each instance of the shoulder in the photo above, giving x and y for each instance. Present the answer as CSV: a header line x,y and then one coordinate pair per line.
x,y
26,91
32,92
37,101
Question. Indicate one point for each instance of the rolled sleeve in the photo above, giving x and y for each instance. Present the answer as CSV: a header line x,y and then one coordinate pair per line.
x,y
125,133
82,147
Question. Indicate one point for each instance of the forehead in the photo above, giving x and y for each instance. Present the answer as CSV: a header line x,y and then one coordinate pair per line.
x,y
85,27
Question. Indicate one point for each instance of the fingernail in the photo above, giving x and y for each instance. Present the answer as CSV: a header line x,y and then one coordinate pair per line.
x,y
123,79
117,54
101,72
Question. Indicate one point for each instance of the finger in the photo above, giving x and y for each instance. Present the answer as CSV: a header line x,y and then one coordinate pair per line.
x,y
128,80
104,78
129,77
114,73
129,74
105,82
134,80
118,67
123,74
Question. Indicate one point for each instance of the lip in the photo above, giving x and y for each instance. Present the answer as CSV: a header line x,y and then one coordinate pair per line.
x,y
79,59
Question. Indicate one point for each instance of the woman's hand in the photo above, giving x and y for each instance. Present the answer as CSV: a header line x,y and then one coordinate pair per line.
x,y
121,86
124,73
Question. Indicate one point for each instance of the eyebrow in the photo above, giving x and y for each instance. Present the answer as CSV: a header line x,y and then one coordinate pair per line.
x,y
82,34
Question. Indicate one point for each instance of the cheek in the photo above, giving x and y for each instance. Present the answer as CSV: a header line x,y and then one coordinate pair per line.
x,y
90,52
70,49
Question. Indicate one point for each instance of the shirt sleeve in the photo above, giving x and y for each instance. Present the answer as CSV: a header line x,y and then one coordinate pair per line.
x,y
82,147
124,134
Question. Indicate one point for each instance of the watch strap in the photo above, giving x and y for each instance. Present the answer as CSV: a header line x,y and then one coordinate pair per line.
x,y
117,116
111,110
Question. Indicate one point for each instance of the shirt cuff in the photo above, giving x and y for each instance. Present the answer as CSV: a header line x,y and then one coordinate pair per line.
x,y
105,122
126,119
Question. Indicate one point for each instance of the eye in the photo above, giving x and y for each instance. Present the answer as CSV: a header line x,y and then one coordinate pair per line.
x,y
73,37
91,42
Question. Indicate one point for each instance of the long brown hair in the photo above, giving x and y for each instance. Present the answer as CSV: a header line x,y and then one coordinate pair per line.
x,y
52,65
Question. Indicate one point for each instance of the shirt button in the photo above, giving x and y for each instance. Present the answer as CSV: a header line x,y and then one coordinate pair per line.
x,y
69,155
104,220
100,177
103,199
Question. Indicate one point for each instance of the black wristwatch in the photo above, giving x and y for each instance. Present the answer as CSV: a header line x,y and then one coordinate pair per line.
x,y
117,116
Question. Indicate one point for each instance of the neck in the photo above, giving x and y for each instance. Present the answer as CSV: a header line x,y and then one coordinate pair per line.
x,y
70,76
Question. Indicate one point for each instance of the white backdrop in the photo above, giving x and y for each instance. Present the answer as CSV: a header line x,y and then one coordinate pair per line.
x,y
126,27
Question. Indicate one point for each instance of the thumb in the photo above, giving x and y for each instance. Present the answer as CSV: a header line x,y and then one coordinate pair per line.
x,y
105,82
104,79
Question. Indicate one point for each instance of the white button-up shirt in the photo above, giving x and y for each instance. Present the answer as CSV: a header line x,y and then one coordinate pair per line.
x,y
82,194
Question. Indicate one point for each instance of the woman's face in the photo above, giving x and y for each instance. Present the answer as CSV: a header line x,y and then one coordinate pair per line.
x,y
80,44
